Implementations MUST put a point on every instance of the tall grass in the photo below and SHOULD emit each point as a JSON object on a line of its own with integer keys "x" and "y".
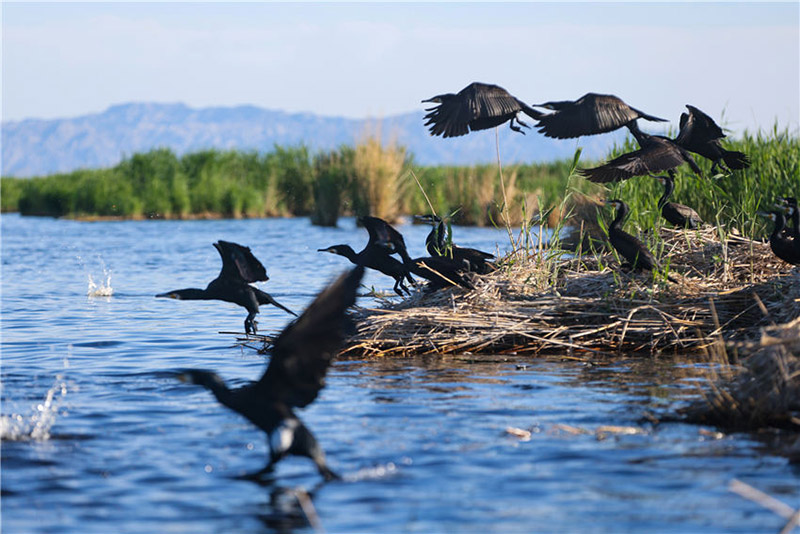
{"x": 379, "y": 179}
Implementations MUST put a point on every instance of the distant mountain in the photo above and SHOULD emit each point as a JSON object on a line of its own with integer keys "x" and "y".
{"x": 34, "y": 147}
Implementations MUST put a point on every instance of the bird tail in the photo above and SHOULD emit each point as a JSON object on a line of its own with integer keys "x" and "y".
{"x": 265, "y": 298}
{"x": 736, "y": 160}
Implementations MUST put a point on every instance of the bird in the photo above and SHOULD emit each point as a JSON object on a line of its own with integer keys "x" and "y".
{"x": 790, "y": 209}
{"x": 438, "y": 270}
{"x": 676, "y": 214}
{"x": 656, "y": 154}
{"x": 377, "y": 255}
{"x": 589, "y": 115}
{"x": 782, "y": 245}
{"x": 700, "y": 134}
{"x": 478, "y": 106}
{"x": 239, "y": 268}
{"x": 301, "y": 355}
{"x": 437, "y": 245}
{"x": 629, "y": 247}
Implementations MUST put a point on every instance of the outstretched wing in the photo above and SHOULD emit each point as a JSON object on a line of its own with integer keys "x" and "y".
{"x": 239, "y": 262}
{"x": 656, "y": 157}
{"x": 304, "y": 350}
{"x": 478, "y": 106}
{"x": 383, "y": 234}
{"x": 589, "y": 115}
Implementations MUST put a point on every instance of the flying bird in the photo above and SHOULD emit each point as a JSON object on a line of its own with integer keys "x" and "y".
{"x": 301, "y": 355}
{"x": 478, "y": 106}
{"x": 239, "y": 269}
{"x": 700, "y": 134}
{"x": 589, "y": 115}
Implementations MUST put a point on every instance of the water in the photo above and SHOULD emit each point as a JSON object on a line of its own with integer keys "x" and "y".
{"x": 99, "y": 437}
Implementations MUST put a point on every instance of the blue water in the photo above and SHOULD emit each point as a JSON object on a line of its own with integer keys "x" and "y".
{"x": 99, "y": 437}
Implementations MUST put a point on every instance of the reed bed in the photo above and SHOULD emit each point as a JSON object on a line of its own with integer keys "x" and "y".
{"x": 544, "y": 301}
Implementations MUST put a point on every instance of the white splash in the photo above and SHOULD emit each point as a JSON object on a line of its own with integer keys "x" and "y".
{"x": 104, "y": 289}
{"x": 35, "y": 427}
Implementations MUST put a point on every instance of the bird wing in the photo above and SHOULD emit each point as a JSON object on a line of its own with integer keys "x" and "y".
{"x": 383, "y": 234}
{"x": 591, "y": 114}
{"x": 239, "y": 262}
{"x": 485, "y": 100}
{"x": 705, "y": 125}
{"x": 656, "y": 157}
{"x": 304, "y": 350}
{"x": 478, "y": 106}
{"x": 450, "y": 118}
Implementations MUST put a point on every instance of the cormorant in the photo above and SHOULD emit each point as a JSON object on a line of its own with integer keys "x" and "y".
{"x": 239, "y": 268}
{"x": 294, "y": 377}
{"x": 700, "y": 134}
{"x": 377, "y": 254}
{"x": 478, "y": 106}
{"x": 590, "y": 114}
{"x": 790, "y": 209}
{"x": 629, "y": 247}
{"x": 676, "y": 214}
{"x": 657, "y": 154}
{"x": 436, "y": 245}
{"x": 782, "y": 245}
{"x": 438, "y": 270}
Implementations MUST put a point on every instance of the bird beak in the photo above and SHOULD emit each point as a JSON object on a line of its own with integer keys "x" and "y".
{"x": 166, "y": 296}
{"x": 325, "y": 249}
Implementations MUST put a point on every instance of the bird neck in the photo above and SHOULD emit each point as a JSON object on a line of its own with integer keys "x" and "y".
{"x": 436, "y": 242}
{"x": 641, "y": 137}
{"x": 348, "y": 252}
{"x": 192, "y": 293}
{"x": 622, "y": 212}
{"x": 780, "y": 224}
{"x": 669, "y": 187}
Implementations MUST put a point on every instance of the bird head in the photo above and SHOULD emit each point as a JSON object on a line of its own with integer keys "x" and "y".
{"x": 429, "y": 218}
{"x": 336, "y": 249}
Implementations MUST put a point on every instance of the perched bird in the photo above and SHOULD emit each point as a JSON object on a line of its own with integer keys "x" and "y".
{"x": 676, "y": 214}
{"x": 791, "y": 211}
{"x": 239, "y": 268}
{"x": 629, "y": 247}
{"x": 782, "y": 245}
{"x": 590, "y": 114}
{"x": 377, "y": 254}
{"x": 700, "y": 134}
{"x": 478, "y": 106}
{"x": 657, "y": 154}
{"x": 438, "y": 270}
{"x": 294, "y": 377}
{"x": 437, "y": 245}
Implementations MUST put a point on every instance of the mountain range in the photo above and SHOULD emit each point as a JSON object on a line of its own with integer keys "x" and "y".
{"x": 34, "y": 147}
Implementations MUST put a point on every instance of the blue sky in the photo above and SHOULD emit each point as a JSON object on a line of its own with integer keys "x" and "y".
{"x": 739, "y": 62}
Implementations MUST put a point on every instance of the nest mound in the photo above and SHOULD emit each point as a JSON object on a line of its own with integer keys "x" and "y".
{"x": 765, "y": 393}
{"x": 541, "y": 301}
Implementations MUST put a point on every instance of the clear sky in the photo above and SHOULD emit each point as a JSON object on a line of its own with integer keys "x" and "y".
{"x": 740, "y": 61}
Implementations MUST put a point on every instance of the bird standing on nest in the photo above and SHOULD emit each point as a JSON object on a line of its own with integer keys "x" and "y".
{"x": 239, "y": 269}
{"x": 674, "y": 213}
{"x": 781, "y": 244}
{"x": 437, "y": 245}
{"x": 478, "y": 106}
{"x": 634, "y": 252}
{"x": 377, "y": 254}
{"x": 294, "y": 377}
{"x": 589, "y": 115}
{"x": 700, "y": 134}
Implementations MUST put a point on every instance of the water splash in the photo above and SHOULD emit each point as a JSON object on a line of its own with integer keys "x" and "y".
{"x": 104, "y": 289}
{"x": 35, "y": 427}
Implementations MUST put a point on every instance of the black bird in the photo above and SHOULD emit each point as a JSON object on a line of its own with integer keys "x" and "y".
{"x": 377, "y": 254}
{"x": 438, "y": 270}
{"x": 590, "y": 114}
{"x": 478, "y": 106}
{"x": 239, "y": 268}
{"x": 437, "y": 245}
{"x": 782, "y": 245}
{"x": 700, "y": 134}
{"x": 657, "y": 154}
{"x": 629, "y": 247}
{"x": 676, "y": 214}
{"x": 294, "y": 377}
{"x": 790, "y": 209}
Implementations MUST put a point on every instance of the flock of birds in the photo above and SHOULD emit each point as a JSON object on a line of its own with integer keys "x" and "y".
{"x": 303, "y": 351}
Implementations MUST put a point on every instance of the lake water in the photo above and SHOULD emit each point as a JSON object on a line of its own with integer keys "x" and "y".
{"x": 99, "y": 437}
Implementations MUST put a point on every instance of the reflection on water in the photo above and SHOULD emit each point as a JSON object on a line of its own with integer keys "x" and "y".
{"x": 422, "y": 444}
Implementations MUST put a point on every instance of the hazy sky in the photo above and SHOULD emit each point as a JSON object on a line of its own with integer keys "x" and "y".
{"x": 359, "y": 60}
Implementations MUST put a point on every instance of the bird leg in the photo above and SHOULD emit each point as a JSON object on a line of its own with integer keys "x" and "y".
{"x": 719, "y": 163}
{"x": 250, "y": 323}
{"x": 517, "y": 128}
